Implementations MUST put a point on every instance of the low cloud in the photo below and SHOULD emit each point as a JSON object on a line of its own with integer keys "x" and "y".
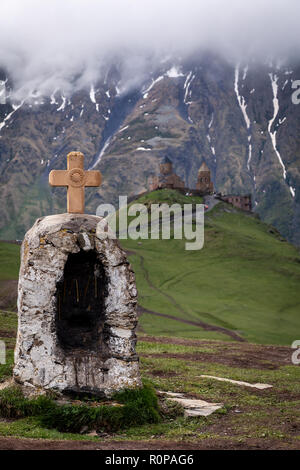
{"x": 67, "y": 44}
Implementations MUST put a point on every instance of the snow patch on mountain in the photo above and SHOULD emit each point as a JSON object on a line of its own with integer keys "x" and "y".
{"x": 92, "y": 94}
{"x": 274, "y": 80}
{"x": 274, "y": 83}
{"x": 146, "y": 92}
{"x": 63, "y": 104}
{"x": 2, "y": 92}
{"x": 52, "y": 97}
{"x": 243, "y": 106}
{"x": 93, "y": 97}
{"x": 240, "y": 98}
{"x": 106, "y": 144}
{"x": 187, "y": 84}
{"x": 8, "y": 117}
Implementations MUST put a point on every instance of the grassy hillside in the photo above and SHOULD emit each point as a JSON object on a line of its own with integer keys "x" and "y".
{"x": 9, "y": 261}
{"x": 244, "y": 283}
{"x": 245, "y": 279}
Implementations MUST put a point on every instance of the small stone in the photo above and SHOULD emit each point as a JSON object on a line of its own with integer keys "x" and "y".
{"x": 238, "y": 382}
{"x": 92, "y": 434}
{"x": 84, "y": 241}
{"x": 193, "y": 407}
{"x": 84, "y": 429}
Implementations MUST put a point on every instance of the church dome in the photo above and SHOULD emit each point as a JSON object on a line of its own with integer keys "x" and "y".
{"x": 165, "y": 160}
{"x": 203, "y": 167}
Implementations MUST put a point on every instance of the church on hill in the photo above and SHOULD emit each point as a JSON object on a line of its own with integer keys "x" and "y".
{"x": 204, "y": 182}
{"x": 167, "y": 178}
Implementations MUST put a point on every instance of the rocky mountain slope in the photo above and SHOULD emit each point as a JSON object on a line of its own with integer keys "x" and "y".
{"x": 239, "y": 118}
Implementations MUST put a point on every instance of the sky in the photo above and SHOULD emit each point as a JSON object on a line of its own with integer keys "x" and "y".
{"x": 67, "y": 44}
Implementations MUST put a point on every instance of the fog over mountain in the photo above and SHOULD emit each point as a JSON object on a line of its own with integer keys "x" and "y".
{"x": 69, "y": 44}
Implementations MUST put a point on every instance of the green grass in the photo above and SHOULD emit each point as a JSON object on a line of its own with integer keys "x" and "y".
{"x": 8, "y": 321}
{"x": 28, "y": 210}
{"x": 157, "y": 326}
{"x": 31, "y": 428}
{"x": 169, "y": 196}
{"x": 245, "y": 279}
{"x": 258, "y": 411}
{"x": 9, "y": 261}
{"x": 136, "y": 407}
{"x": 271, "y": 414}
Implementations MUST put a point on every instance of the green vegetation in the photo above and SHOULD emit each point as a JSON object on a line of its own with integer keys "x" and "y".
{"x": 136, "y": 407}
{"x": 245, "y": 279}
{"x": 29, "y": 210}
{"x": 9, "y": 261}
{"x": 270, "y": 415}
{"x": 168, "y": 196}
{"x": 9, "y": 270}
{"x": 8, "y": 332}
{"x": 248, "y": 413}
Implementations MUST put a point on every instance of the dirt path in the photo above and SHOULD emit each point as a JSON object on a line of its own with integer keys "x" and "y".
{"x": 241, "y": 355}
{"x": 211, "y": 202}
{"x": 198, "y": 323}
{"x": 12, "y": 443}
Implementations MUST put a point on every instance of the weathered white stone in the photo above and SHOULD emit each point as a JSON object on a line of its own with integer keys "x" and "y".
{"x": 40, "y": 360}
{"x": 238, "y": 382}
{"x": 121, "y": 332}
{"x": 193, "y": 407}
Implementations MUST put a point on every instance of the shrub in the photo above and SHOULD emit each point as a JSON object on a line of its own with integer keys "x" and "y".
{"x": 137, "y": 407}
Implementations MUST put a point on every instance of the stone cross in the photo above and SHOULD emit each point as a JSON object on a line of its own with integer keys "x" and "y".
{"x": 75, "y": 178}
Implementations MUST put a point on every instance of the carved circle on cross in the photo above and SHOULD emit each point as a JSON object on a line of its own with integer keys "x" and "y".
{"x": 77, "y": 177}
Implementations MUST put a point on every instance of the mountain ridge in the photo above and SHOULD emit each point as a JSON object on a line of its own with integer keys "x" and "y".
{"x": 207, "y": 109}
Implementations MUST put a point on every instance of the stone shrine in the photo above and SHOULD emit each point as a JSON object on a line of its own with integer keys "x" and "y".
{"x": 76, "y": 301}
